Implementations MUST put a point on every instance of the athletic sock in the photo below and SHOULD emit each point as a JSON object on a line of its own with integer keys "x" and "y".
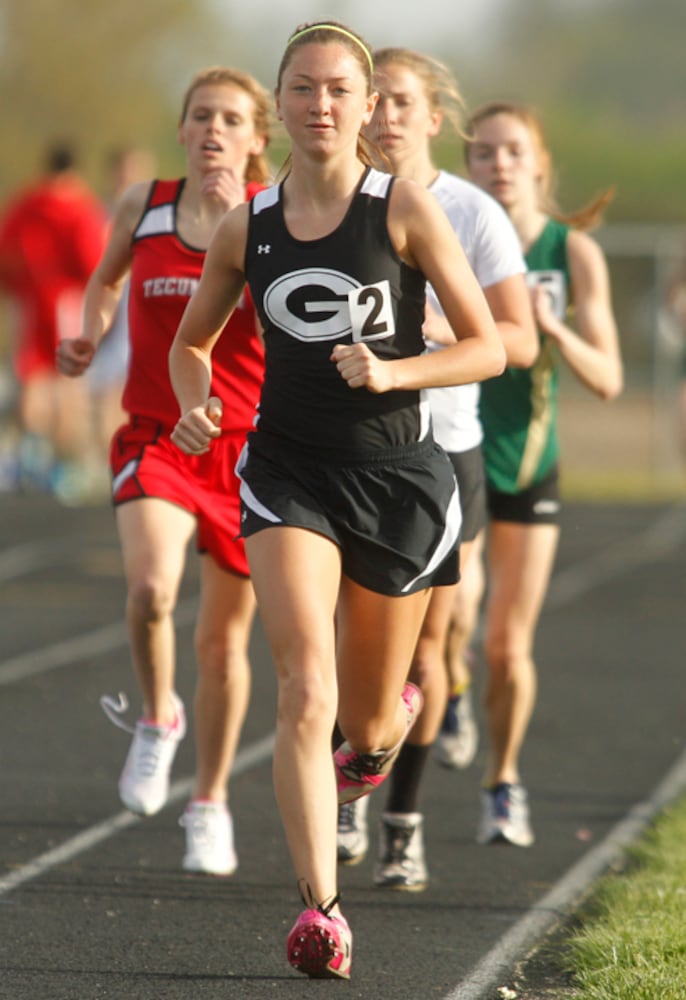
{"x": 406, "y": 777}
{"x": 337, "y": 738}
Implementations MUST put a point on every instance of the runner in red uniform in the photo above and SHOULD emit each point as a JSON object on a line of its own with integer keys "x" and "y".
{"x": 159, "y": 237}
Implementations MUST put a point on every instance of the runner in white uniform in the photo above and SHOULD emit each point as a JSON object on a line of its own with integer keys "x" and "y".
{"x": 415, "y": 94}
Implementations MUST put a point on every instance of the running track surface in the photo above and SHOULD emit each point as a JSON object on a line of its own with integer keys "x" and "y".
{"x": 93, "y": 902}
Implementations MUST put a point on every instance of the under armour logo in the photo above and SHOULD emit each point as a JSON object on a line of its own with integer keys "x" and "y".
{"x": 264, "y": 248}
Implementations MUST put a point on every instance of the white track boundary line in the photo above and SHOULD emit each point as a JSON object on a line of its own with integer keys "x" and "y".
{"x": 252, "y": 756}
{"x": 659, "y": 538}
{"x": 568, "y": 892}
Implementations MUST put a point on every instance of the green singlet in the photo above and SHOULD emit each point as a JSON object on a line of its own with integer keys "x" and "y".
{"x": 519, "y": 408}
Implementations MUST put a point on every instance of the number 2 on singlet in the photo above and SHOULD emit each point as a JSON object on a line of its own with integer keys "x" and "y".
{"x": 371, "y": 312}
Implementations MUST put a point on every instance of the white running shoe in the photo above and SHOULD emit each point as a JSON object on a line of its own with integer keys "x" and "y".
{"x": 209, "y": 839}
{"x": 144, "y": 781}
{"x": 505, "y": 816}
{"x": 458, "y": 740}
{"x": 353, "y": 838}
{"x": 401, "y": 863}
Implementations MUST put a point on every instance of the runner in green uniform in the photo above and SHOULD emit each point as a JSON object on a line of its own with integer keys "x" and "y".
{"x": 507, "y": 156}
{"x": 519, "y": 409}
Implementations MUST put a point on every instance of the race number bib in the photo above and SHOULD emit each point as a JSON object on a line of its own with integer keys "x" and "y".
{"x": 371, "y": 312}
{"x": 555, "y": 286}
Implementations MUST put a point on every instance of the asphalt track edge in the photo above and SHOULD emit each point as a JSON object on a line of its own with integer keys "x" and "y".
{"x": 561, "y": 901}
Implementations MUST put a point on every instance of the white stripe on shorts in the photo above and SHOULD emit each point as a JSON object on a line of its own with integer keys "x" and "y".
{"x": 247, "y": 495}
{"x": 451, "y": 533}
{"x": 129, "y": 470}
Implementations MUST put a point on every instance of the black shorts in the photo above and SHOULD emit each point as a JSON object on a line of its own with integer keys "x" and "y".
{"x": 469, "y": 470}
{"x": 395, "y": 516}
{"x": 539, "y": 504}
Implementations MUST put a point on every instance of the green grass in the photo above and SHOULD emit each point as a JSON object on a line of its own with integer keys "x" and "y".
{"x": 631, "y": 944}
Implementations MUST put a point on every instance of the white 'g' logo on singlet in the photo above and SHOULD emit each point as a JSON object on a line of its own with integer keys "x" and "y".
{"x": 322, "y": 304}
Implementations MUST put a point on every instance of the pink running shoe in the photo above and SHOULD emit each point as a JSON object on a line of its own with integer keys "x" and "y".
{"x": 358, "y": 774}
{"x": 320, "y": 945}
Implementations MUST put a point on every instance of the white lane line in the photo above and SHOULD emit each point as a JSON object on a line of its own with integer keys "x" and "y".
{"x": 74, "y": 650}
{"x": 658, "y": 538}
{"x": 23, "y": 559}
{"x": 252, "y": 756}
{"x": 567, "y": 893}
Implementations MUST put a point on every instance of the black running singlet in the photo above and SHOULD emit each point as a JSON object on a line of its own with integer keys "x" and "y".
{"x": 311, "y": 295}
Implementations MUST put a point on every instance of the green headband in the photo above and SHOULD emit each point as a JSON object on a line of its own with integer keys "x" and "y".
{"x": 341, "y": 31}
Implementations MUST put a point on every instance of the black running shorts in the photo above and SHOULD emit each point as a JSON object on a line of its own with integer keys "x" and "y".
{"x": 395, "y": 516}
{"x": 469, "y": 470}
{"x": 539, "y": 504}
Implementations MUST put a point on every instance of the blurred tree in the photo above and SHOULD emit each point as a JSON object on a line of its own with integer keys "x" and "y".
{"x": 616, "y": 57}
{"x": 608, "y": 78}
{"x": 94, "y": 73}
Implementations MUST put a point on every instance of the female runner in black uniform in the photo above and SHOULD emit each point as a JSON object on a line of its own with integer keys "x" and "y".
{"x": 350, "y": 511}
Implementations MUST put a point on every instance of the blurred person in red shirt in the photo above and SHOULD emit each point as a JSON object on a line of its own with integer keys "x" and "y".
{"x": 52, "y": 234}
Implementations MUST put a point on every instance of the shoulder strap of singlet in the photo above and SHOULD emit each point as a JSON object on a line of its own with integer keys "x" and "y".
{"x": 252, "y": 188}
{"x": 158, "y": 218}
{"x": 265, "y": 199}
{"x": 164, "y": 192}
{"x": 376, "y": 183}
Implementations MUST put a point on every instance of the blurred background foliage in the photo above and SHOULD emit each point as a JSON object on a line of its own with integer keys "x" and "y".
{"x": 608, "y": 77}
{"x": 610, "y": 80}
{"x": 91, "y": 73}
